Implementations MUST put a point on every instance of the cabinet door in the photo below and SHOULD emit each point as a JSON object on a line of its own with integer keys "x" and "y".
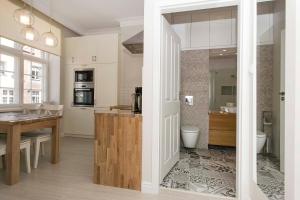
{"x": 264, "y": 24}
{"x": 220, "y": 27}
{"x": 70, "y": 50}
{"x": 79, "y": 121}
{"x": 106, "y": 86}
{"x": 181, "y": 23}
{"x": 105, "y": 48}
{"x": 200, "y": 30}
{"x": 234, "y": 26}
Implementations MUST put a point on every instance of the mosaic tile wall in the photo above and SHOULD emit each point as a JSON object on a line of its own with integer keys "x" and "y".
{"x": 195, "y": 82}
{"x": 264, "y": 81}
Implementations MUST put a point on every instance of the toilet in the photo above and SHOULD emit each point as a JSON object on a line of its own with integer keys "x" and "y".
{"x": 261, "y": 138}
{"x": 189, "y": 135}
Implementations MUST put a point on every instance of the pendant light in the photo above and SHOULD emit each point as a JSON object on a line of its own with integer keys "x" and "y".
{"x": 49, "y": 37}
{"x": 24, "y": 16}
{"x": 28, "y": 32}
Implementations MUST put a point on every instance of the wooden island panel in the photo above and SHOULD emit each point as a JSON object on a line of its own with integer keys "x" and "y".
{"x": 118, "y": 151}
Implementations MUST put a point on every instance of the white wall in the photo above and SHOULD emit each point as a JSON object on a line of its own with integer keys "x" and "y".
{"x": 54, "y": 79}
{"x": 130, "y": 66}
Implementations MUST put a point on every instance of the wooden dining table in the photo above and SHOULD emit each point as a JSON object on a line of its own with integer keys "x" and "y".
{"x": 15, "y": 124}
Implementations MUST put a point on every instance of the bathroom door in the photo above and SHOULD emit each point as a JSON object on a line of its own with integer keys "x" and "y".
{"x": 282, "y": 100}
{"x": 170, "y": 102}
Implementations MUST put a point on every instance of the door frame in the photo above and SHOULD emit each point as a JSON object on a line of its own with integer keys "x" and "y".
{"x": 246, "y": 158}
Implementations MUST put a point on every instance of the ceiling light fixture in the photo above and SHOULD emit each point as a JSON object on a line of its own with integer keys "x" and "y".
{"x": 49, "y": 37}
{"x": 24, "y": 16}
{"x": 224, "y": 50}
{"x": 220, "y": 54}
{"x": 29, "y": 33}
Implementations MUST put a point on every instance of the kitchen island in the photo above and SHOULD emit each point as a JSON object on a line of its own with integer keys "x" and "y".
{"x": 118, "y": 149}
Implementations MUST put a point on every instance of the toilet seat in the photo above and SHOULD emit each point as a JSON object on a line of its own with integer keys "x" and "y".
{"x": 260, "y": 134}
{"x": 190, "y": 129}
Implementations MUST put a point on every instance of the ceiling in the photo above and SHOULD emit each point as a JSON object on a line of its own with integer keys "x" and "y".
{"x": 86, "y": 16}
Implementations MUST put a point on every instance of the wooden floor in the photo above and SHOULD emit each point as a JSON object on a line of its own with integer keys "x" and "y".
{"x": 71, "y": 179}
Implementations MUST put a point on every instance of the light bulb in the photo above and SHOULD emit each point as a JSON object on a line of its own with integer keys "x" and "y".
{"x": 29, "y": 36}
{"x": 24, "y": 17}
{"x": 50, "y": 39}
{"x": 29, "y": 33}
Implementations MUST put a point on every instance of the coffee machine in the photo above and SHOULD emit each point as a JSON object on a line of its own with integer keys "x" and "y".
{"x": 137, "y": 100}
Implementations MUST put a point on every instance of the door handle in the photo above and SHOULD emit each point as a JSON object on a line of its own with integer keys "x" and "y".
{"x": 281, "y": 93}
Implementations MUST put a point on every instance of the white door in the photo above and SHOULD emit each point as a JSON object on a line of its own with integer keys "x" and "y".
{"x": 282, "y": 100}
{"x": 170, "y": 102}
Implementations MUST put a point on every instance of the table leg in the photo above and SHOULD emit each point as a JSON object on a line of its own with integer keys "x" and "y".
{"x": 55, "y": 143}
{"x": 13, "y": 154}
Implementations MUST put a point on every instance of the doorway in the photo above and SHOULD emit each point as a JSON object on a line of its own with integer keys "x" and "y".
{"x": 198, "y": 101}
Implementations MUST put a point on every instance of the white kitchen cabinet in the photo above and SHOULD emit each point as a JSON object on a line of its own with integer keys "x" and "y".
{"x": 92, "y": 49}
{"x": 200, "y": 30}
{"x": 181, "y": 23}
{"x": 79, "y": 122}
{"x": 106, "y": 85}
{"x": 264, "y": 24}
{"x": 234, "y": 26}
{"x": 220, "y": 28}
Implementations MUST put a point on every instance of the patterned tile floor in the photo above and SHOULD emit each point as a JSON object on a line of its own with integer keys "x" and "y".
{"x": 207, "y": 171}
{"x": 269, "y": 177}
{"x": 213, "y": 171}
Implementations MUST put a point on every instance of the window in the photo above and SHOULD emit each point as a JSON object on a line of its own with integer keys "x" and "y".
{"x": 21, "y": 62}
{"x": 8, "y": 82}
{"x": 36, "y": 97}
{"x": 7, "y": 96}
{"x": 33, "y": 82}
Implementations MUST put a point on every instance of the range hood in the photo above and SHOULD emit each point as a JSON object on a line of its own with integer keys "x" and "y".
{"x": 135, "y": 44}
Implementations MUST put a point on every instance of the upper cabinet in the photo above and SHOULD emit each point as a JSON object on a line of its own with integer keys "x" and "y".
{"x": 200, "y": 30}
{"x": 265, "y": 23}
{"x": 217, "y": 28}
{"x": 220, "y": 28}
{"x": 181, "y": 25}
{"x": 92, "y": 49}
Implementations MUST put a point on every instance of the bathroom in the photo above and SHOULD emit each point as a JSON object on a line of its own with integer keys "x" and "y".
{"x": 208, "y": 99}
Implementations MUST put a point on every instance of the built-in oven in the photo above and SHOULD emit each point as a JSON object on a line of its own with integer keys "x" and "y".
{"x": 84, "y": 75}
{"x": 83, "y": 94}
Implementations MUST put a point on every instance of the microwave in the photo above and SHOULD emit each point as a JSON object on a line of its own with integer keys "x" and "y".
{"x": 83, "y": 75}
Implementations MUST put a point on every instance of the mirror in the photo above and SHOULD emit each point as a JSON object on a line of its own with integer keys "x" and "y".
{"x": 222, "y": 80}
{"x": 270, "y": 98}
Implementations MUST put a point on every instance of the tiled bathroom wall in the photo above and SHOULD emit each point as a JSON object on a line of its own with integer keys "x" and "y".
{"x": 264, "y": 82}
{"x": 195, "y": 82}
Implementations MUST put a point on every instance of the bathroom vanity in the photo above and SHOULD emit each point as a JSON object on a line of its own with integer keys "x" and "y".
{"x": 222, "y": 129}
{"x": 118, "y": 157}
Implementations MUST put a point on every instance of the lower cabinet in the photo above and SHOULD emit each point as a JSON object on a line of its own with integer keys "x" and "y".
{"x": 118, "y": 150}
{"x": 79, "y": 122}
{"x": 222, "y": 129}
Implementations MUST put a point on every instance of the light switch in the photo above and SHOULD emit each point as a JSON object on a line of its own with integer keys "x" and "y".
{"x": 188, "y": 100}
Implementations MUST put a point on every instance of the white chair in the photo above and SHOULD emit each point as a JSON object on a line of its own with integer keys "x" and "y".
{"x": 39, "y": 137}
{"x": 24, "y": 145}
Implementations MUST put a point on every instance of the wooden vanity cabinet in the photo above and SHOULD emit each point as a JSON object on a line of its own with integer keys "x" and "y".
{"x": 222, "y": 129}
